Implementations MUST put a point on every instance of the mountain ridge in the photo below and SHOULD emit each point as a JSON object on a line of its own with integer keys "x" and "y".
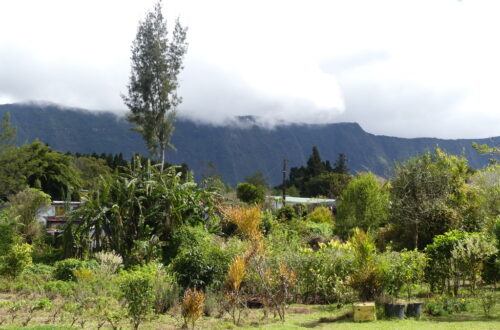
{"x": 236, "y": 150}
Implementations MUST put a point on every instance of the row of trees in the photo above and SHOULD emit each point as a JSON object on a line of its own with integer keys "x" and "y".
{"x": 318, "y": 177}
{"x": 429, "y": 195}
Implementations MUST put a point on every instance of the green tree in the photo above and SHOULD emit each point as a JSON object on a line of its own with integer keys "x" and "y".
{"x": 364, "y": 204}
{"x": 487, "y": 183}
{"x": 257, "y": 179}
{"x": 326, "y": 184}
{"x": 24, "y": 207}
{"x": 248, "y": 193}
{"x": 485, "y": 149}
{"x": 152, "y": 91}
{"x": 37, "y": 166}
{"x": 314, "y": 164}
{"x": 91, "y": 169}
{"x": 8, "y": 133}
{"x": 427, "y": 197}
{"x": 8, "y": 233}
{"x": 341, "y": 165}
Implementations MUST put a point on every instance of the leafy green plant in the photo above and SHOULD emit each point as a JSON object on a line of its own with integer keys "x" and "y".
{"x": 444, "y": 305}
{"x": 52, "y": 289}
{"x": 137, "y": 290}
{"x": 17, "y": 259}
{"x": 440, "y": 270}
{"x": 488, "y": 301}
{"x": 402, "y": 270}
{"x": 134, "y": 212}
{"x": 469, "y": 254}
{"x": 248, "y": 193}
{"x": 321, "y": 273}
{"x": 64, "y": 269}
{"x": 367, "y": 277}
{"x": 320, "y": 214}
{"x": 285, "y": 213}
{"x": 200, "y": 265}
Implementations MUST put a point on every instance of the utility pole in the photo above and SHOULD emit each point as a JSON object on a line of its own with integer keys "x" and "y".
{"x": 284, "y": 181}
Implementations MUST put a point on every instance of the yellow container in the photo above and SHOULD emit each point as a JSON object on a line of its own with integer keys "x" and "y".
{"x": 364, "y": 311}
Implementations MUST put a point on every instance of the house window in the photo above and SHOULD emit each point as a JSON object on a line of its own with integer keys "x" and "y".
{"x": 60, "y": 211}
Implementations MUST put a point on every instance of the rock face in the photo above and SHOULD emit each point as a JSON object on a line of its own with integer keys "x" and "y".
{"x": 237, "y": 150}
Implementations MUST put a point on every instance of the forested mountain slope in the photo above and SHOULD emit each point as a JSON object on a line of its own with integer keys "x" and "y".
{"x": 237, "y": 150}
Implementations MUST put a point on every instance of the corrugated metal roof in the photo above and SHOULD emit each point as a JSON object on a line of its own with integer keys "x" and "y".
{"x": 303, "y": 200}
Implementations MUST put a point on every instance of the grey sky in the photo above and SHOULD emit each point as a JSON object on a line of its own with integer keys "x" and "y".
{"x": 403, "y": 68}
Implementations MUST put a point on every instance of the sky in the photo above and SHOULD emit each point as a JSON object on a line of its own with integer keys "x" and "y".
{"x": 401, "y": 68}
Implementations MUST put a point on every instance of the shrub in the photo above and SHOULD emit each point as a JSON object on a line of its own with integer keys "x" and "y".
{"x": 184, "y": 236}
{"x": 248, "y": 193}
{"x": 286, "y": 213}
{"x": 109, "y": 262}
{"x": 59, "y": 288}
{"x": 8, "y": 233}
{"x": 444, "y": 305}
{"x": 320, "y": 214}
{"x": 321, "y": 274}
{"x": 192, "y": 306}
{"x": 402, "y": 269}
{"x": 39, "y": 269}
{"x": 17, "y": 259}
{"x": 469, "y": 254}
{"x": 200, "y": 265}
{"x": 488, "y": 301}
{"x": 137, "y": 290}
{"x": 64, "y": 269}
{"x": 83, "y": 275}
{"x": 367, "y": 277}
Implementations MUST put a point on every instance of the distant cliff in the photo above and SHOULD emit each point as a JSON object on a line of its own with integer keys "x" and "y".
{"x": 238, "y": 150}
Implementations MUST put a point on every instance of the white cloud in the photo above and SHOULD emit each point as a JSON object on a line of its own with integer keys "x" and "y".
{"x": 406, "y": 68}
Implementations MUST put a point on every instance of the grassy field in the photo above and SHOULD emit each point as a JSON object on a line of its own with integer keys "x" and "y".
{"x": 303, "y": 317}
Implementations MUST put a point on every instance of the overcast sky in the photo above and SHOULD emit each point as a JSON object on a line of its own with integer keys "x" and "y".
{"x": 401, "y": 68}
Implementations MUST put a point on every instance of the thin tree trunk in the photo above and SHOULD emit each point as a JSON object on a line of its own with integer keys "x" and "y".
{"x": 416, "y": 235}
{"x": 162, "y": 159}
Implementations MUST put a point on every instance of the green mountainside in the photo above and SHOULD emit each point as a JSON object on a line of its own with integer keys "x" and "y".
{"x": 237, "y": 151}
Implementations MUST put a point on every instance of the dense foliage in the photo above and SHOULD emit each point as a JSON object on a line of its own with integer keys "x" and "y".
{"x": 135, "y": 212}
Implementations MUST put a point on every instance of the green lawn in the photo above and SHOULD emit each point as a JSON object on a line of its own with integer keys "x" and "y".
{"x": 311, "y": 317}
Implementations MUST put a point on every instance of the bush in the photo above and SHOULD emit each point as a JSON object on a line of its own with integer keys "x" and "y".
{"x": 488, "y": 301}
{"x": 248, "y": 193}
{"x": 64, "y": 269}
{"x": 184, "y": 236}
{"x": 285, "y": 213}
{"x": 137, "y": 290}
{"x": 321, "y": 274}
{"x": 320, "y": 214}
{"x": 53, "y": 289}
{"x": 444, "y": 305}
{"x": 201, "y": 264}
{"x": 8, "y": 233}
{"x": 39, "y": 269}
{"x": 17, "y": 259}
{"x": 308, "y": 229}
